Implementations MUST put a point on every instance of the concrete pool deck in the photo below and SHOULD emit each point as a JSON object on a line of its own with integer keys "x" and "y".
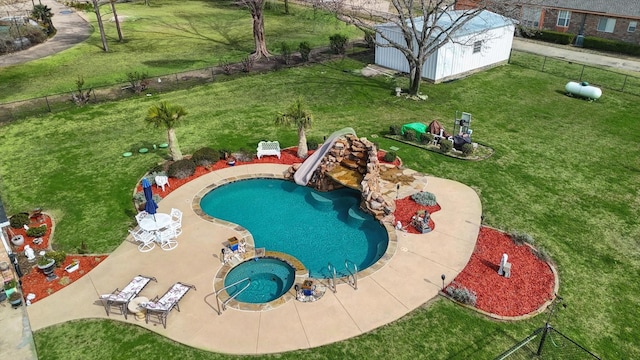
{"x": 409, "y": 279}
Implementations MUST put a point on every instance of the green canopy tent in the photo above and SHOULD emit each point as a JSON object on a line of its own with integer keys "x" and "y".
{"x": 419, "y": 128}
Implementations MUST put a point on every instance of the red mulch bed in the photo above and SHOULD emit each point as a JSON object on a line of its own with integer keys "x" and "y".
{"x": 531, "y": 283}
{"x": 33, "y": 280}
{"x": 406, "y": 208}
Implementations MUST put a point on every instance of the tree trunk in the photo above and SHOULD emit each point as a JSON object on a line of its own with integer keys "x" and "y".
{"x": 115, "y": 16}
{"x": 302, "y": 143}
{"x": 286, "y": 7}
{"x": 96, "y": 8}
{"x": 174, "y": 148}
{"x": 415, "y": 77}
{"x": 257, "y": 7}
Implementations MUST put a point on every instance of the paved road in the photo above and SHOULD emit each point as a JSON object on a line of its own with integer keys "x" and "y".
{"x": 582, "y": 56}
{"x": 72, "y": 30}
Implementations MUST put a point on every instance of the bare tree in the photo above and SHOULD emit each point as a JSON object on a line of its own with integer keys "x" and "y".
{"x": 96, "y": 8}
{"x": 115, "y": 17}
{"x": 425, "y": 26}
{"x": 256, "y": 7}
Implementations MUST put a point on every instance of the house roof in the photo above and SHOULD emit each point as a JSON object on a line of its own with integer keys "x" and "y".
{"x": 621, "y": 8}
{"x": 483, "y": 21}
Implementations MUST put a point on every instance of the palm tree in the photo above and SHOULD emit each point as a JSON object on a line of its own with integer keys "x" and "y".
{"x": 43, "y": 14}
{"x": 297, "y": 115}
{"x": 167, "y": 116}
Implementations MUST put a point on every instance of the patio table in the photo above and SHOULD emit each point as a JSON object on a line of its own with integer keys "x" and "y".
{"x": 152, "y": 224}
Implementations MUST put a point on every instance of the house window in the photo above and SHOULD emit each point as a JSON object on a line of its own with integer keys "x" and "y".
{"x": 531, "y": 17}
{"x": 632, "y": 26}
{"x": 563, "y": 18}
{"x": 606, "y": 24}
{"x": 477, "y": 46}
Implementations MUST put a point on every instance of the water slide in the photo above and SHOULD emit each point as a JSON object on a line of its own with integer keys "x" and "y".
{"x": 305, "y": 171}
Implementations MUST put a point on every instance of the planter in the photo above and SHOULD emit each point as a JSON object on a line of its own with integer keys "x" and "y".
{"x": 3, "y": 296}
{"x": 47, "y": 269}
{"x": 72, "y": 267}
{"x": 15, "y": 299}
{"x": 17, "y": 240}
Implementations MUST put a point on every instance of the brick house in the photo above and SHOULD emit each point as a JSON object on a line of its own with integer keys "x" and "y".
{"x": 608, "y": 19}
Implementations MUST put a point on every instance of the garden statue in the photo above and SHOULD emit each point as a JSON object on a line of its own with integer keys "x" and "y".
{"x": 503, "y": 262}
{"x": 29, "y": 253}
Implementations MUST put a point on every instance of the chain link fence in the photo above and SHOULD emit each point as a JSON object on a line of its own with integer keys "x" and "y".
{"x": 596, "y": 76}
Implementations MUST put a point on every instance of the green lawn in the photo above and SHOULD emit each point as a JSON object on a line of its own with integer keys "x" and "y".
{"x": 564, "y": 170}
{"x": 169, "y": 36}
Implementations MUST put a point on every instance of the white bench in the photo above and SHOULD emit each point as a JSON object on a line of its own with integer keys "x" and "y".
{"x": 268, "y": 148}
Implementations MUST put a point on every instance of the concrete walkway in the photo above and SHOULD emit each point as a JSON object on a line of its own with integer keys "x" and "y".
{"x": 409, "y": 279}
{"x": 72, "y": 29}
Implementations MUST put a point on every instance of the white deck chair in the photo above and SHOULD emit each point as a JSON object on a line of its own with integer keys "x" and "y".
{"x": 167, "y": 238}
{"x": 141, "y": 215}
{"x": 145, "y": 238}
{"x": 176, "y": 221}
{"x": 162, "y": 181}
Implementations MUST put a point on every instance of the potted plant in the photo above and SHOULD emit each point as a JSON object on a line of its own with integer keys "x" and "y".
{"x": 15, "y": 299}
{"x": 17, "y": 240}
{"x": 231, "y": 160}
{"x": 10, "y": 286}
{"x": 47, "y": 265}
{"x": 75, "y": 264}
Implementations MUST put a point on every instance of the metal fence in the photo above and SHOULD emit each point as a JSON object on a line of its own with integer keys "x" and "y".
{"x": 570, "y": 70}
{"x": 547, "y": 343}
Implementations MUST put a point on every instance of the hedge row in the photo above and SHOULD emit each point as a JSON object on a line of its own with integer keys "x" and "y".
{"x": 621, "y": 47}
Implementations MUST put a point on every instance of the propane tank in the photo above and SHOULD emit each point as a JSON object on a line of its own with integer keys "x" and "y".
{"x": 583, "y": 89}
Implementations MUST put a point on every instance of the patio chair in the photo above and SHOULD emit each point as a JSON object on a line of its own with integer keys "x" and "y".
{"x": 167, "y": 238}
{"x": 141, "y": 215}
{"x": 120, "y": 298}
{"x": 161, "y": 307}
{"x": 162, "y": 181}
{"x": 176, "y": 221}
{"x": 145, "y": 238}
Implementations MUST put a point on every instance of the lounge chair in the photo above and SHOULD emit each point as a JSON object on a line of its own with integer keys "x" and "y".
{"x": 121, "y": 298}
{"x": 161, "y": 307}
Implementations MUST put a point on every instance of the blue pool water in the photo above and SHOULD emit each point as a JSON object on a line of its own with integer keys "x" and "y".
{"x": 270, "y": 279}
{"x": 316, "y": 228}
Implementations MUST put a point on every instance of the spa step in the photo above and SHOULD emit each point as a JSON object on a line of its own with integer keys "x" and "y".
{"x": 318, "y": 201}
{"x": 355, "y": 219}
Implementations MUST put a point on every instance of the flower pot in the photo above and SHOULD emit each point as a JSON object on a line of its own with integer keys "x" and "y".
{"x": 47, "y": 269}
{"x": 16, "y": 299}
{"x": 72, "y": 267}
{"x": 17, "y": 240}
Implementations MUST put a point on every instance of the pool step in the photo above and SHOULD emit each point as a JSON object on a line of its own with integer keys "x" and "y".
{"x": 355, "y": 219}
{"x": 319, "y": 201}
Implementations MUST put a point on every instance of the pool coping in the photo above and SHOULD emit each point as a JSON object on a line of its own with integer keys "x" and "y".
{"x": 248, "y": 237}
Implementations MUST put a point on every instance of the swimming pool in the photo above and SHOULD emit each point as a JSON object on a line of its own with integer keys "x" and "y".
{"x": 316, "y": 228}
{"x": 260, "y": 280}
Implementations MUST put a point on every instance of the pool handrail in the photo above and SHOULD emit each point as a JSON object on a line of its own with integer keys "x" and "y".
{"x": 224, "y": 303}
{"x": 352, "y": 278}
{"x": 332, "y": 281}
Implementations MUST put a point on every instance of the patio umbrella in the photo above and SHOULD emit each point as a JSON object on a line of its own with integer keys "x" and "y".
{"x": 150, "y": 207}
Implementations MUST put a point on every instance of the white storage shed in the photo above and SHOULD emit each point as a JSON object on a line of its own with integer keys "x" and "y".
{"x": 483, "y": 42}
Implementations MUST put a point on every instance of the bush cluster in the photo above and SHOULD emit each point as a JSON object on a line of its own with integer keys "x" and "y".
{"x": 542, "y": 254}
{"x": 622, "y": 47}
{"x": 182, "y": 169}
{"x": 205, "y": 156}
{"x": 390, "y": 156}
{"x": 463, "y": 295}
{"x": 338, "y": 43}
{"x": 410, "y": 135}
{"x": 426, "y": 138}
{"x": 467, "y": 149}
{"x": 555, "y": 37}
{"x": 37, "y": 231}
{"x": 521, "y": 238}
{"x": 286, "y": 52}
{"x": 19, "y": 220}
{"x": 445, "y": 146}
{"x": 305, "y": 50}
{"x": 395, "y": 130}
{"x": 312, "y": 144}
{"x": 424, "y": 198}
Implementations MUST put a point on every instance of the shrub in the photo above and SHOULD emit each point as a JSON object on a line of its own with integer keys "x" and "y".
{"x": 81, "y": 97}
{"x": 139, "y": 81}
{"x": 555, "y": 37}
{"x": 426, "y": 138}
{"x": 37, "y": 231}
{"x": 445, "y": 146}
{"x": 591, "y": 42}
{"x": 338, "y": 43}
{"x": 463, "y": 295}
{"x": 285, "y": 52}
{"x": 57, "y": 256}
{"x": 542, "y": 254}
{"x": 410, "y": 135}
{"x": 370, "y": 38}
{"x": 390, "y": 156}
{"x": 305, "y": 50}
{"x": 521, "y": 238}
{"x": 138, "y": 198}
{"x": 467, "y": 149}
{"x": 244, "y": 155}
{"x": 247, "y": 64}
{"x": 205, "y": 156}
{"x": 182, "y": 169}
{"x": 226, "y": 66}
{"x": 35, "y": 34}
{"x": 395, "y": 130}
{"x": 19, "y": 220}
{"x": 424, "y": 198}
{"x": 312, "y": 144}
